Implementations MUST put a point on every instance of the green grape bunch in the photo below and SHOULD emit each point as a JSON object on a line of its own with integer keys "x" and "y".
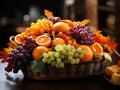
{"x": 63, "y": 54}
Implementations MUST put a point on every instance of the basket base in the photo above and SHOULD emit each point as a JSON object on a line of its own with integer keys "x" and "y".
{"x": 84, "y": 69}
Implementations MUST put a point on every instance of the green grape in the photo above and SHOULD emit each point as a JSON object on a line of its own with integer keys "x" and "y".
{"x": 77, "y": 61}
{"x": 50, "y": 54}
{"x": 72, "y": 61}
{"x": 49, "y": 60}
{"x": 58, "y": 60}
{"x": 57, "y": 65}
{"x": 79, "y": 50}
{"x": 65, "y": 47}
{"x": 71, "y": 53}
{"x": 76, "y": 54}
{"x": 61, "y": 65}
{"x": 62, "y": 56}
{"x": 44, "y": 60}
{"x": 58, "y": 47}
{"x": 45, "y": 55}
{"x": 81, "y": 56}
{"x": 82, "y": 52}
{"x": 52, "y": 58}
{"x": 53, "y": 63}
{"x": 64, "y": 52}
{"x": 72, "y": 49}
{"x": 70, "y": 58}
{"x": 57, "y": 55}
{"x": 68, "y": 47}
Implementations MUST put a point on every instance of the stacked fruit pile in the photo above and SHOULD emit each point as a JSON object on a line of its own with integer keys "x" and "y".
{"x": 57, "y": 42}
{"x": 113, "y": 73}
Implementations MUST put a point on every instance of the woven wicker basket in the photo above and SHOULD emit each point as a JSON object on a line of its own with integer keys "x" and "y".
{"x": 84, "y": 69}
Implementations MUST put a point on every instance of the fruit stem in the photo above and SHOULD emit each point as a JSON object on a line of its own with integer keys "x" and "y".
{"x": 117, "y": 53}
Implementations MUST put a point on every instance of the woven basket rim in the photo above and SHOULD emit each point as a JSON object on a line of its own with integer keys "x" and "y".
{"x": 83, "y": 69}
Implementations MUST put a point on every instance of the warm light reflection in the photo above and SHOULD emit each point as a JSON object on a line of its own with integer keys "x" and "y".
{"x": 20, "y": 29}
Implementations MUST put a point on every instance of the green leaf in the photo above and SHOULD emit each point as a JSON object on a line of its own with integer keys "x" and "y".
{"x": 37, "y": 66}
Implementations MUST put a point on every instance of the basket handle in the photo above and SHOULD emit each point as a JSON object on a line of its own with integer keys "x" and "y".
{"x": 12, "y": 41}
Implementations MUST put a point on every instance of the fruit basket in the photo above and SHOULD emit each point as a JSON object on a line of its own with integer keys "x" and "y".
{"x": 56, "y": 49}
{"x": 82, "y": 70}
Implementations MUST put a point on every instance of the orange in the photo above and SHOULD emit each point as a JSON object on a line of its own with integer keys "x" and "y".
{"x": 43, "y": 40}
{"x": 19, "y": 39}
{"x": 97, "y": 48}
{"x": 69, "y": 22}
{"x": 56, "y": 41}
{"x": 38, "y": 51}
{"x": 88, "y": 53}
{"x": 62, "y": 27}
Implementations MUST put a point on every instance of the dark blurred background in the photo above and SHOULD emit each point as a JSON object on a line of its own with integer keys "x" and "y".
{"x": 20, "y": 13}
{"x": 16, "y": 15}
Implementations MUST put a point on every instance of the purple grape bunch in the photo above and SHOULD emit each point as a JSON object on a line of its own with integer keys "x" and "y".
{"x": 82, "y": 34}
{"x": 22, "y": 55}
{"x": 55, "y": 19}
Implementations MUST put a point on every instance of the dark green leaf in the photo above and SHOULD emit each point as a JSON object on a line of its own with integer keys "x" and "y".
{"x": 37, "y": 66}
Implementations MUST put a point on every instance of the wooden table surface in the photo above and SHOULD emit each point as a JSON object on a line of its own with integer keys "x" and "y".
{"x": 11, "y": 81}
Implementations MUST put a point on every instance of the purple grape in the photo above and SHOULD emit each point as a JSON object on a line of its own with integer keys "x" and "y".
{"x": 21, "y": 56}
{"x": 82, "y": 34}
{"x": 55, "y": 19}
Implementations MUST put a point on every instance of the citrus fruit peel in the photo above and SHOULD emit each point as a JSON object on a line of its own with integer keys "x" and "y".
{"x": 18, "y": 39}
{"x": 43, "y": 40}
{"x": 97, "y": 48}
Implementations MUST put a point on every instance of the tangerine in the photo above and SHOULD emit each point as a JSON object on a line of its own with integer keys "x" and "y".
{"x": 43, "y": 40}
{"x": 69, "y": 22}
{"x": 88, "y": 53}
{"x": 56, "y": 41}
{"x": 38, "y": 51}
{"x": 97, "y": 48}
{"x": 62, "y": 27}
